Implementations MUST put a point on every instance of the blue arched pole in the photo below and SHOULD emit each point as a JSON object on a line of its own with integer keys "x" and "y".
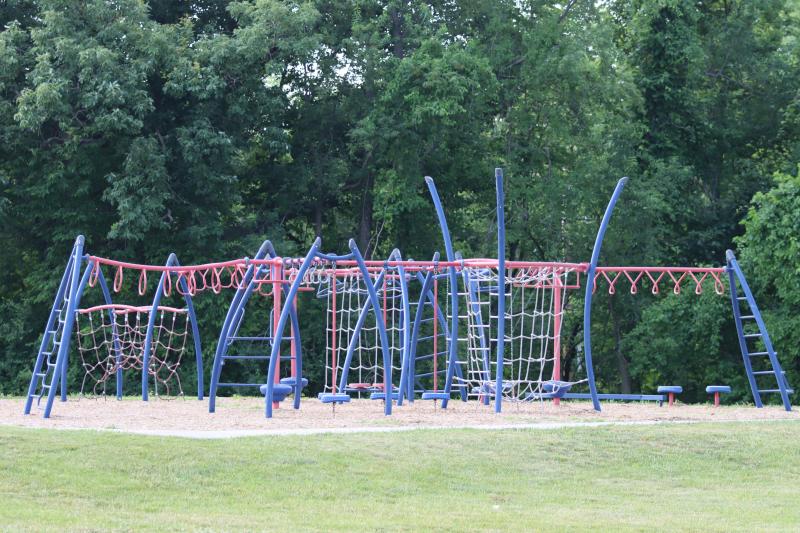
{"x": 172, "y": 261}
{"x": 151, "y": 322}
{"x": 587, "y": 303}
{"x": 198, "y": 351}
{"x": 87, "y": 274}
{"x": 233, "y": 317}
{"x": 448, "y": 245}
{"x": 284, "y": 316}
{"x": 501, "y": 288}
{"x": 387, "y": 361}
{"x": 354, "y": 339}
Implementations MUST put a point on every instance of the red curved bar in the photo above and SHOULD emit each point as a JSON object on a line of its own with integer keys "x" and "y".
{"x": 121, "y": 308}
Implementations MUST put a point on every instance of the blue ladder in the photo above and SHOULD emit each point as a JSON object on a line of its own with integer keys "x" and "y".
{"x": 51, "y": 359}
{"x": 754, "y": 354}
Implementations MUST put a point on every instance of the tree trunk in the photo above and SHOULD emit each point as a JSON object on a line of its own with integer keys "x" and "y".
{"x": 622, "y": 363}
{"x": 365, "y": 222}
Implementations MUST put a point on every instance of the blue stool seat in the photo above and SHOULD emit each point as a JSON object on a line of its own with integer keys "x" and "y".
{"x": 718, "y": 388}
{"x": 435, "y": 396}
{"x": 555, "y": 388}
{"x": 382, "y": 396}
{"x": 291, "y": 382}
{"x": 674, "y": 389}
{"x": 328, "y": 397}
{"x": 279, "y": 391}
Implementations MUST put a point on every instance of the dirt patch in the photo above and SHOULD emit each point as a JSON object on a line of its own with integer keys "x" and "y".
{"x": 237, "y": 415}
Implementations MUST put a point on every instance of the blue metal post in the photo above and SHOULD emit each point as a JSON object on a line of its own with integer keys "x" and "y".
{"x": 587, "y": 304}
{"x": 63, "y": 290}
{"x": 232, "y": 318}
{"x": 427, "y": 282}
{"x": 387, "y": 361}
{"x": 198, "y": 351}
{"x": 501, "y": 288}
{"x": 354, "y": 339}
{"x": 69, "y": 321}
{"x": 452, "y": 360}
{"x": 284, "y": 316}
{"x": 151, "y": 322}
{"x": 87, "y": 272}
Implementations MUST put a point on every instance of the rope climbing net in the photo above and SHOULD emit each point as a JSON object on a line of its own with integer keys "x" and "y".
{"x": 534, "y": 307}
{"x": 346, "y": 296}
{"x": 111, "y": 339}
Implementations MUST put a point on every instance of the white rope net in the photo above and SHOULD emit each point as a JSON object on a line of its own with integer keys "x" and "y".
{"x": 111, "y": 341}
{"x": 534, "y": 299}
{"x": 346, "y": 296}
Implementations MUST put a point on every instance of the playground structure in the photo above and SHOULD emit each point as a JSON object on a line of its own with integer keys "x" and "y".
{"x": 399, "y": 330}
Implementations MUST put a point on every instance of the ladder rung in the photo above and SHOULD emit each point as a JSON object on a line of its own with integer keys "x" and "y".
{"x": 752, "y": 335}
{"x": 747, "y": 317}
{"x": 788, "y": 391}
{"x": 741, "y": 297}
{"x": 259, "y": 357}
{"x": 754, "y": 354}
{"x": 766, "y": 372}
{"x": 429, "y": 374}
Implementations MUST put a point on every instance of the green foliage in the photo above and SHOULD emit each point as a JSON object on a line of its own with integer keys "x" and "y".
{"x": 769, "y": 249}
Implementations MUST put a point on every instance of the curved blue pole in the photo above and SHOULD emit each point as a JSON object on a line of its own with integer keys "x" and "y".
{"x": 405, "y": 340}
{"x": 387, "y": 361}
{"x": 448, "y": 245}
{"x": 438, "y": 316}
{"x": 426, "y": 282}
{"x": 87, "y": 272}
{"x": 354, "y": 339}
{"x": 240, "y": 298}
{"x": 151, "y": 322}
{"x": 198, "y": 352}
{"x": 284, "y": 316}
{"x": 587, "y": 303}
{"x": 501, "y": 288}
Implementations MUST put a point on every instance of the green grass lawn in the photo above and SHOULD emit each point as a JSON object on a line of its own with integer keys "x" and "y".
{"x": 720, "y": 477}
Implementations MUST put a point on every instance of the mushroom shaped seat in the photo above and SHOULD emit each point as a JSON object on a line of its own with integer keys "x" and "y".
{"x": 279, "y": 391}
{"x": 716, "y": 390}
{"x": 671, "y": 391}
{"x": 292, "y": 381}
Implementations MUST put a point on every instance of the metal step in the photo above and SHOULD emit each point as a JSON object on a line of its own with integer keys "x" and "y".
{"x": 257, "y": 357}
{"x": 767, "y": 372}
{"x": 788, "y": 391}
{"x": 753, "y": 335}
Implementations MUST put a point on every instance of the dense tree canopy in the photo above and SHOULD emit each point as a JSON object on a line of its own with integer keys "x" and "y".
{"x": 205, "y": 127}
